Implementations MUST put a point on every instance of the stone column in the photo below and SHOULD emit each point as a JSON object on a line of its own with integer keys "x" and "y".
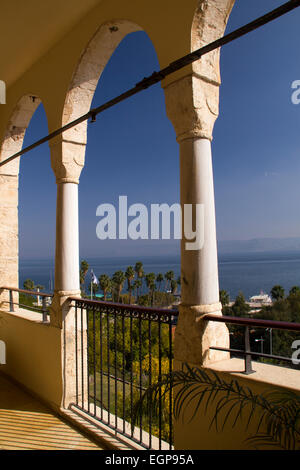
{"x": 67, "y": 160}
{"x": 192, "y": 106}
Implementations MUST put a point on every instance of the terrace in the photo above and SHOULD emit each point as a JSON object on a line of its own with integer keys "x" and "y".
{"x": 85, "y": 364}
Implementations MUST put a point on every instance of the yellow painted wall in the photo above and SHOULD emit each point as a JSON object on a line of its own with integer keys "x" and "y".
{"x": 196, "y": 434}
{"x": 33, "y": 354}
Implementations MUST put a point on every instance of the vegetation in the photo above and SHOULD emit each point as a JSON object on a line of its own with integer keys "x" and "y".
{"x": 29, "y": 284}
{"x": 84, "y": 267}
{"x": 282, "y": 309}
{"x": 277, "y": 293}
{"x": 129, "y": 362}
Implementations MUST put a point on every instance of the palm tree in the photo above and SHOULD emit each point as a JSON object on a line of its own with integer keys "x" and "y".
{"x": 105, "y": 285}
{"x": 169, "y": 276}
{"x": 277, "y": 292}
{"x": 294, "y": 291}
{"x": 137, "y": 285}
{"x": 139, "y": 272}
{"x": 159, "y": 280}
{"x": 278, "y": 424}
{"x": 118, "y": 280}
{"x": 129, "y": 274}
{"x": 150, "y": 282}
{"x": 174, "y": 286}
{"x": 84, "y": 267}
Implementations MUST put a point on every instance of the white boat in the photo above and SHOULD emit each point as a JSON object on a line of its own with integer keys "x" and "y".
{"x": 262, "y": 299}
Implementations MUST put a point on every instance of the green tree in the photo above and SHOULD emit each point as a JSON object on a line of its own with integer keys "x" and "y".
{"x": 174, "y": 286}
{"x": 150, "y": 279}
{"x": 84, "y": 267}
{"x": 118, "y": 281}
{"x": 240, "y": 308}
{"x": 129, "y": 274}
{"x": 139, "y": 273}
{"x": 169, "y": 276}
{"x": 159, "y": 280}
{"x": 105, "y": 284}
{"x": 136, "y": 286}
{"x": 294, "y": 291}
{"x": 29, "y": 284}
{"x": 224, "y": 298}
{"x": 277, "y": 292}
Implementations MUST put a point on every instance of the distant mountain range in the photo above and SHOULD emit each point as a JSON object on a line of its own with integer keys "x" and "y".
{"x": 259, "y": 245}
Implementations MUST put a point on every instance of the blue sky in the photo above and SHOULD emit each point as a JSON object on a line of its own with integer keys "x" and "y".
{"x": 132, "y": 148}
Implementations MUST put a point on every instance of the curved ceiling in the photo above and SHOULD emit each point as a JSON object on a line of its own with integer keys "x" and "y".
{"x": 30, "y": 28}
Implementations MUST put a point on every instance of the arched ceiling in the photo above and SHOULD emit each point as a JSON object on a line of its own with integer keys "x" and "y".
{"x": 30, "y": 28}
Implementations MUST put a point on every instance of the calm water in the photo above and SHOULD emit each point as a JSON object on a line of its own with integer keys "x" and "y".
{"x": 248, "y": 272}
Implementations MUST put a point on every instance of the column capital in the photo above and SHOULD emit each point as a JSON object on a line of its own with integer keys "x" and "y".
{"x": 192, "y": 105}
{"x": 67, "y": 159}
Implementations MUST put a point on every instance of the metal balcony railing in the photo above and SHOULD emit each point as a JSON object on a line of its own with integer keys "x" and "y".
{"x": 251, "y": 323}
{"x": 27, "y": 294}
{"x": 120, "y": 351}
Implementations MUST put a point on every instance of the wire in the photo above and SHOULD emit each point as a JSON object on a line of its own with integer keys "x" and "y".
{"x": 157, "y": 77}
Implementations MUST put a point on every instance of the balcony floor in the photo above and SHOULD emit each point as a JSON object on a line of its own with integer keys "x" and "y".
{"x": 26, "y": 424}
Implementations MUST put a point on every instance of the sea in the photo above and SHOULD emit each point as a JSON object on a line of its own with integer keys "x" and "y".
{"x": 250, "y": 273}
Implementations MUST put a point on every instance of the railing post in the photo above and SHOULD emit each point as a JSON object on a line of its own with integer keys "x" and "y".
{"x": 11, "y": 301}
{"x": 44, "y": 310}
{"x": 248, "y": 363}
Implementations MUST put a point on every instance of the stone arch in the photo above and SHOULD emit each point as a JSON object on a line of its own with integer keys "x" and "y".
{"x": 209, "y": 23}
{"x": 9, "y": 184}
{"x": 88, "y": 71}
{"x": 15, "y": 132}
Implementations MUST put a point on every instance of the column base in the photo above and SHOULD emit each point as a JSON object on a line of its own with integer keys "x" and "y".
{"x": 194, "y": 335}
{"x": 60, "y": 306}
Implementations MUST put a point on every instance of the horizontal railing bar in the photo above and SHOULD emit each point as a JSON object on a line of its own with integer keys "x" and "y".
{"x": 27, "y": 307}
{"x": 29, "y": 292}
{"x": 118, "y": 379}
{"x": 279, "y": 325}
{"x": 139, "y": 308}
{"x": 252, "y": 353}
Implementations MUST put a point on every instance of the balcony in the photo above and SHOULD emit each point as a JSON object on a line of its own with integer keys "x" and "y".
{"x": 73, "y": 356}
{"x": 112, "y": 354}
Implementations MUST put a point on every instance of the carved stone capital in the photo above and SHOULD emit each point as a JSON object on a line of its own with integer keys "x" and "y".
{"x": 67, "y": 160}
{"x": 192, "y": 105}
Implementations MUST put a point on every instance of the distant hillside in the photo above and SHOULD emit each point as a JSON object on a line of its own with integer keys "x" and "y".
{"x": 259, "y": 244}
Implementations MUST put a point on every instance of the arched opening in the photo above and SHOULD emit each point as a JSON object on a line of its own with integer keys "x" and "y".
{"x": 88, "y": 71}
{"x": 22, "y": 208}
{"x": 131, "y": 151}
{"x": 132, "y": 143}
{"x": 37, "y": 204}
